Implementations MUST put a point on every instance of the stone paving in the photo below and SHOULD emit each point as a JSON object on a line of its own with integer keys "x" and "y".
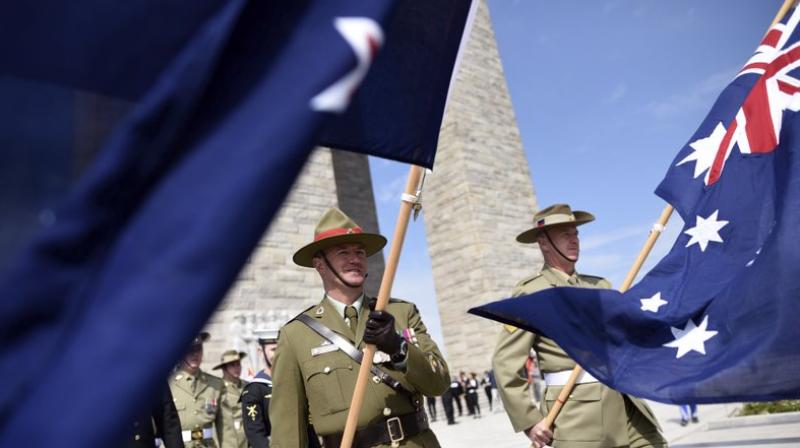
{"x": 718, "y": 428}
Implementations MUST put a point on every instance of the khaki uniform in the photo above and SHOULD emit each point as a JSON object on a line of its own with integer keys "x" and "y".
{"x": 594, "y": 415}
{"x": 232, "y": 429}
{"x": 198, "y": 400}
{"x": 319, "y": 386}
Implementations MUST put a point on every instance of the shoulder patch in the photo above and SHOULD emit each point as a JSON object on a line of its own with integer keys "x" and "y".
{"x": 510, "y": 328}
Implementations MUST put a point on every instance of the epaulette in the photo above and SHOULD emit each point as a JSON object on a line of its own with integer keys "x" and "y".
{"x": 302, "y": 312}
{"x": 596, "y": 277}
{"x": 527, "y": 280}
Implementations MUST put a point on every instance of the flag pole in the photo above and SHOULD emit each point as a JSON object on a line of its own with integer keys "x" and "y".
{"x": 563, "y": 396}
{"x": 409, "y": 201}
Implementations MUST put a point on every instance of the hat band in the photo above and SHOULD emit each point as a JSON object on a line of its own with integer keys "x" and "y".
{"x": 337, "y": 232}
{"x": 555, "y": 219}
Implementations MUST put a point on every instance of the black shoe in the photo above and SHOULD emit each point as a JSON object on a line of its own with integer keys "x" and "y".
{"x": 684, "y": 422}
{"x": 695, "y": 419}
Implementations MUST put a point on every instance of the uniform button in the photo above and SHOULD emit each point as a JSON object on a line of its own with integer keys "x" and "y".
{"x": 136, "y": 437}
{"x": 387, "y": 412}
{"x": 327, "y": 370}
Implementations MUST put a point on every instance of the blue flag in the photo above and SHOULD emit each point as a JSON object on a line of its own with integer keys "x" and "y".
{"x": 715, "y": 320}
{"x": 226, "y": 100}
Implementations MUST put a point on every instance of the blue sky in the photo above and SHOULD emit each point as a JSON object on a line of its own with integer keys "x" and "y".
{"x": 605, "y": 94}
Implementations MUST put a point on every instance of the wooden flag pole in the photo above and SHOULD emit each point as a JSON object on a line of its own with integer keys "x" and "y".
{"x": 409, "y": 199}
{"x": 637, "y": 265}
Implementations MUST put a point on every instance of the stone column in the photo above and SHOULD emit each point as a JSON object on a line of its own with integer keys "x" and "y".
{"x": 477, "y": 200}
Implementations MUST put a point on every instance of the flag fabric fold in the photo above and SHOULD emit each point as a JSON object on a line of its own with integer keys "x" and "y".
{"x": 713, "y": 321}
{"x": 141, "y": 252}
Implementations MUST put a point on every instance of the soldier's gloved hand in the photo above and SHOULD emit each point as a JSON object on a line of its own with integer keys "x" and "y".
{"x": 380, "y": 332}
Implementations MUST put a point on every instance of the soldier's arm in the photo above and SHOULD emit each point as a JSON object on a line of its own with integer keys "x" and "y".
{"x": 288, "y": 409}
{"x": 254, "y": 416}
{"x": 167, "y": 422}
{"x": 510, "y": 354}
{"x": 425, "y": 366}
{"x": 219, "y": 421}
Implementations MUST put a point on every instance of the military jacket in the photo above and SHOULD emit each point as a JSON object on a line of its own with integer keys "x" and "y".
{"x": 316, "y": 383}
{"x": 233, "y": 430}
{"x": 197, "y": 399}
{"x": 594, "y": 415}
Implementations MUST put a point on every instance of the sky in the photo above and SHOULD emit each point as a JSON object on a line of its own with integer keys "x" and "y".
{"x": 605, "y": 94}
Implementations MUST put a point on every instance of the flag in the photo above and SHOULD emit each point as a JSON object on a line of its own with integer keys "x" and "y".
{"x": 226, "y": 101}
{"x": 715, "y": 319}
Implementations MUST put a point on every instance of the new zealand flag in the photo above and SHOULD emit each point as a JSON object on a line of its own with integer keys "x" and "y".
{"x": 716, "y": 319}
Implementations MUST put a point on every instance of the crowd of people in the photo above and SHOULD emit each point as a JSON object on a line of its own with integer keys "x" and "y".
{"x": 464, "y": 392}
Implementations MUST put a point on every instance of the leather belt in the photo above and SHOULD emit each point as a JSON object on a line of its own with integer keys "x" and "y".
{"x": 391, "y": 431}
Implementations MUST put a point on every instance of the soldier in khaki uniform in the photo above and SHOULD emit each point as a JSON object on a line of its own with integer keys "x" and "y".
{"x": 594, "y": 415}
{"x": 197, "y": 397}
{"x": 233, "y": 431}
{"x": 315, "y": 379}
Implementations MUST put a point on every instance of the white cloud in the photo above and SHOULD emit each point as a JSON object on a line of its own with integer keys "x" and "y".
{"x": 699, "y": 96}
{"x": 617, "y": 94}
{"x": 392, "y": 190}
{"x": 599, "y": 240}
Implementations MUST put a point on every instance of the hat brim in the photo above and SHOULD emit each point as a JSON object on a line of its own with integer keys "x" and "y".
{"x": 242, "y": 355}
{"x": 372, "y": 244}
{"x": 530, "y": 236}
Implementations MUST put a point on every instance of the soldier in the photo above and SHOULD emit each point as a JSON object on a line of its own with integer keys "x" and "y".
{"x": 197, "y": 396}
{"x": 594, "y": 415}
{"x": 318, "y": 354}
{"x": 231, "y": 366}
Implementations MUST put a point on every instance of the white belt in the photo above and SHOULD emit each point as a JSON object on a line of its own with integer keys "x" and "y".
{"x": 187, "y": 435}
{"x": 561, "y": 378}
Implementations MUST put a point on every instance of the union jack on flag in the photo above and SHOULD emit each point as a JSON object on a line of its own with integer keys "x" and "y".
{"x": 749, "y": 113}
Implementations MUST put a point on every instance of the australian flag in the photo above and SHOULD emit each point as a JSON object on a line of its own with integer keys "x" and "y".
{"x": 716, "y": 319}
{"x": 112, "y": 260}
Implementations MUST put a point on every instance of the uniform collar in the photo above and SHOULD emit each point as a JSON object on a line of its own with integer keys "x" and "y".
{"x": 339, "y": 306}
{"x": 560, "y": 276}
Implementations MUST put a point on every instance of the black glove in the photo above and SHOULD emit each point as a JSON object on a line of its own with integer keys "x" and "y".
{"x": 380, "y": 332}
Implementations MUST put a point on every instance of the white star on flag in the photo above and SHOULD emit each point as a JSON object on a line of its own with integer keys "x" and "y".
{"x": 705, "y": 230}
{"x": 653, "y": 303}
{"x": 705, "y": 150}
{"x": 692, "y": 337}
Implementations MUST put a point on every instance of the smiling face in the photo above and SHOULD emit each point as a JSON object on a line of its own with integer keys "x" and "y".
{"x": 346, "y": 262}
